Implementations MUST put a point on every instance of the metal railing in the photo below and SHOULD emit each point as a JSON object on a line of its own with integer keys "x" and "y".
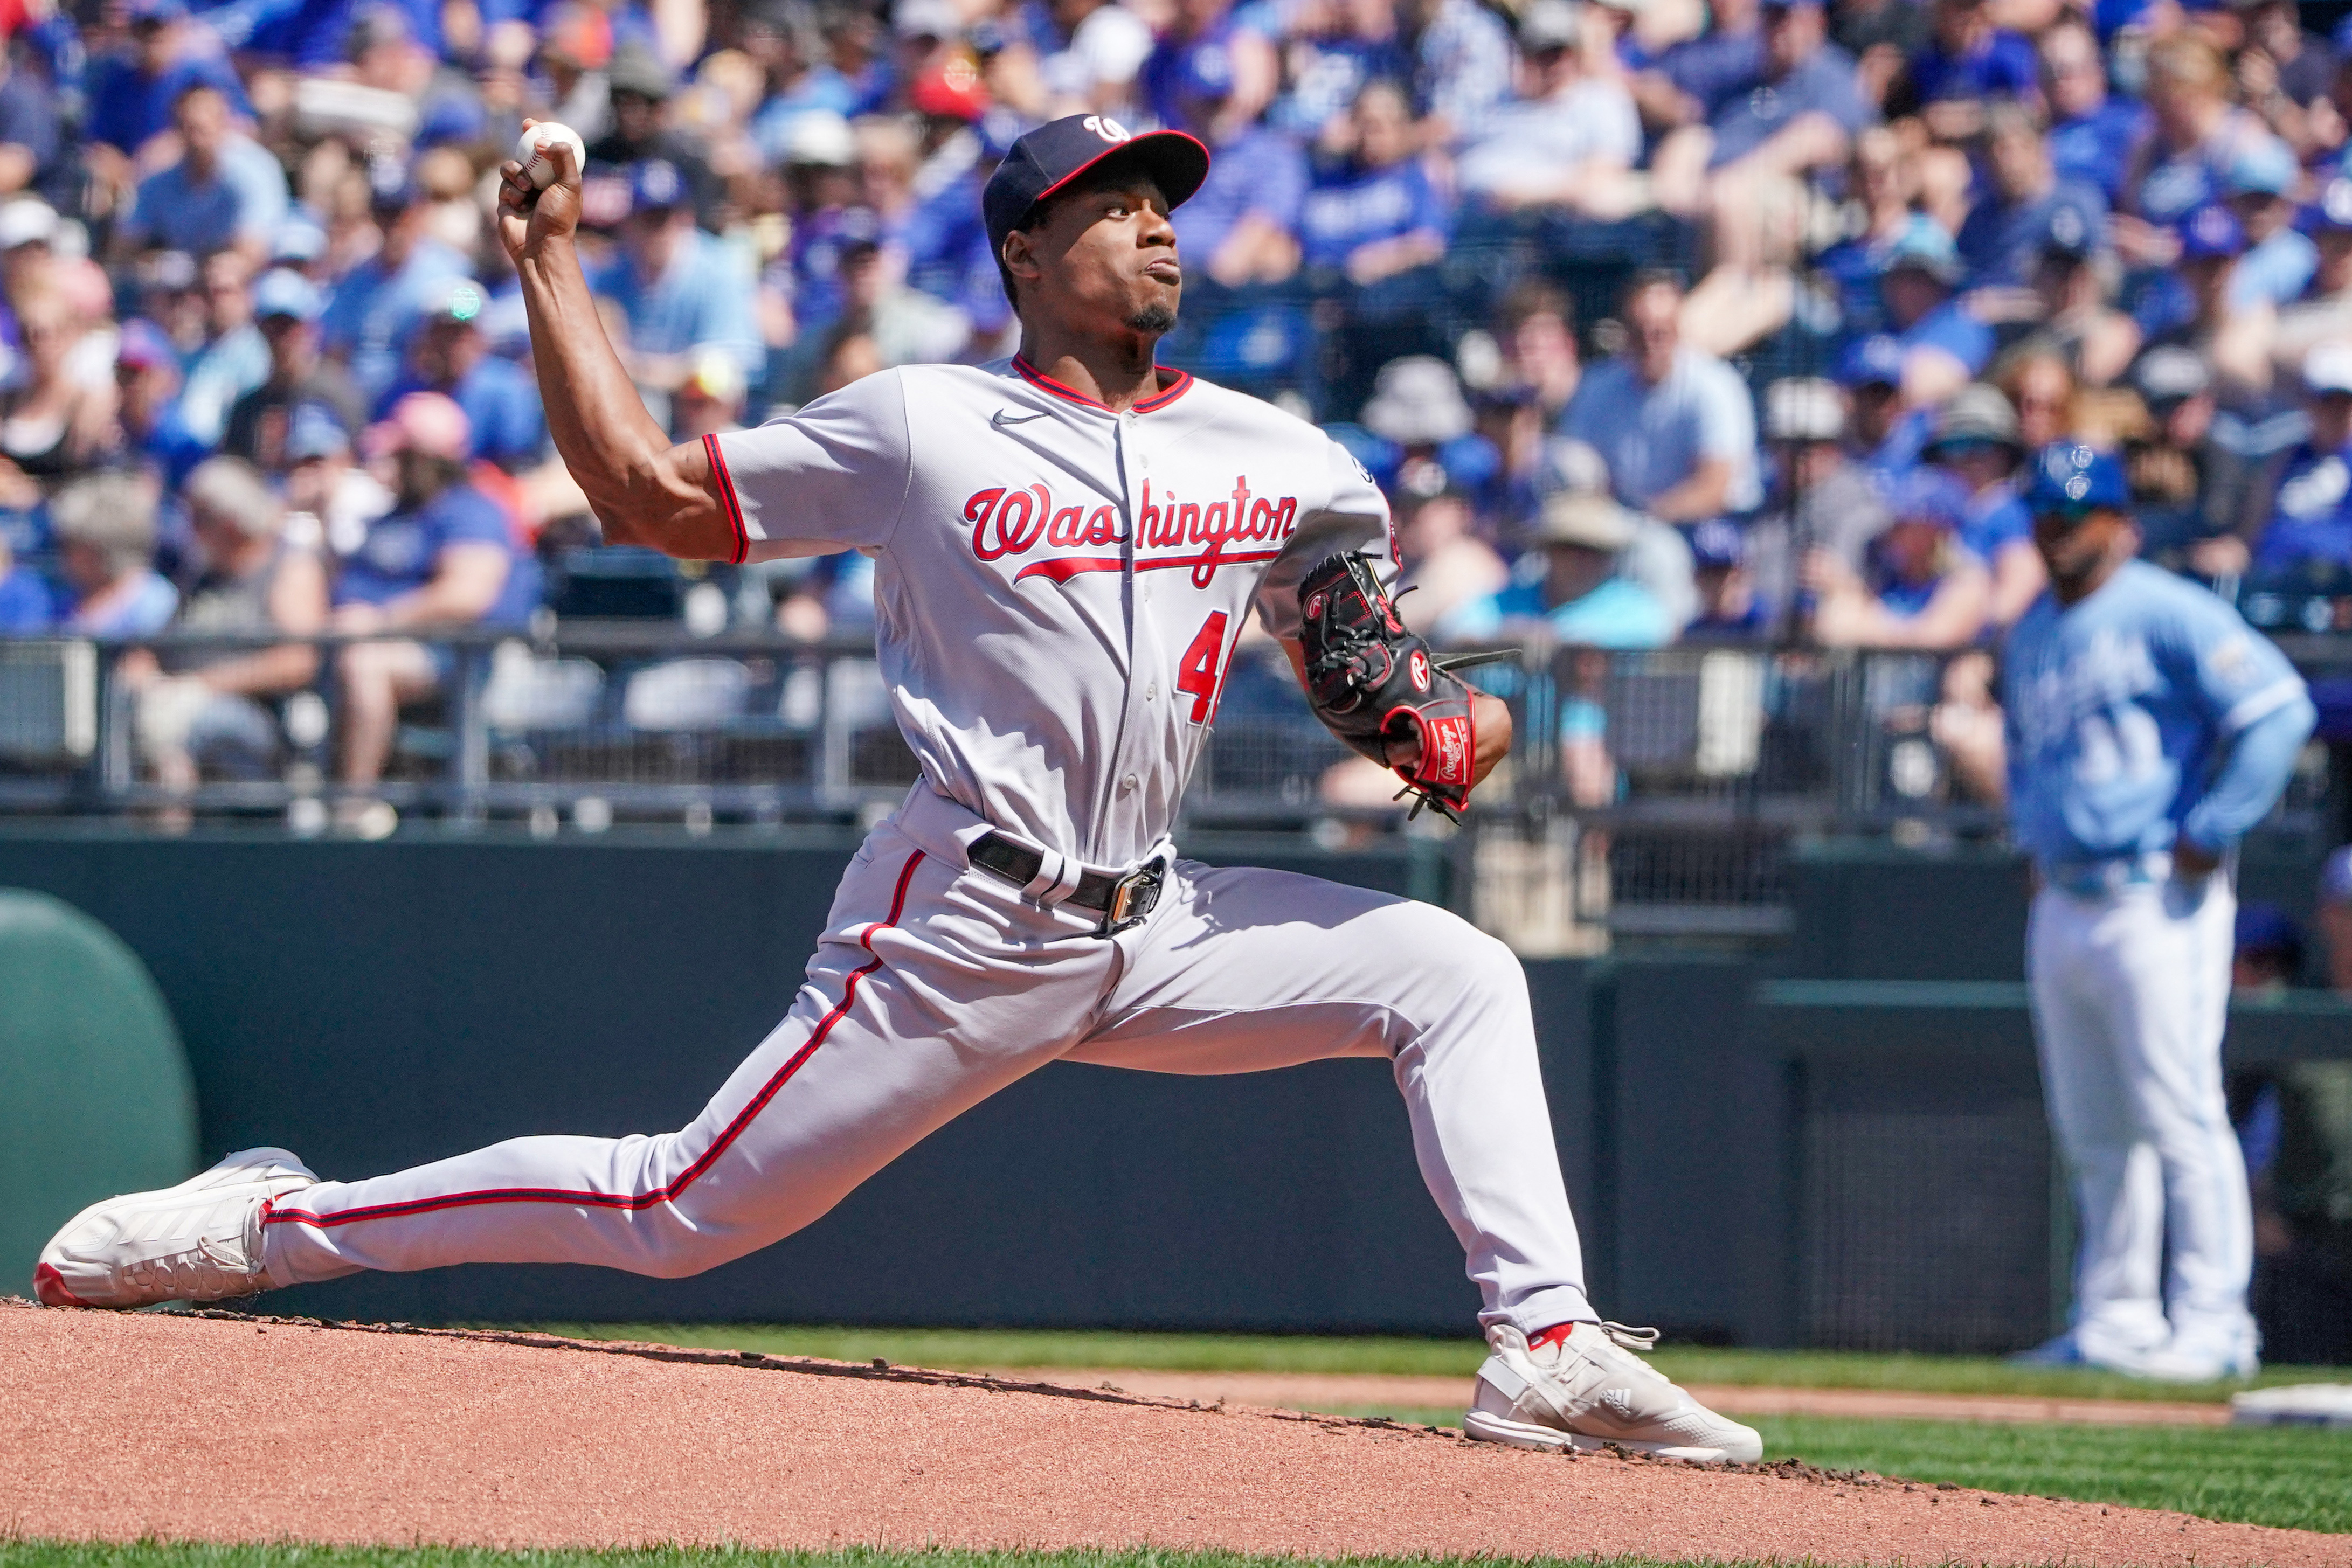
{"x": 1652, "y": 791}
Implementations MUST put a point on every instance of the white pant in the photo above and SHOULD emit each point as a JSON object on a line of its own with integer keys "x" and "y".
{"x": 2131, "y": 992}
{"x": 934, "y": 986}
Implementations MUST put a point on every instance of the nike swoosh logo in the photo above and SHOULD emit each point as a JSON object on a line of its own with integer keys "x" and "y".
{"x": 1005, "y": 418}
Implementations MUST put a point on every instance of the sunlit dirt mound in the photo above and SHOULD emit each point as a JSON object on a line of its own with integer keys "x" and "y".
{"x": 225, "y": 1428}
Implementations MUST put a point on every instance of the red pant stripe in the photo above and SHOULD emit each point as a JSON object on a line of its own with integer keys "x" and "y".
{"x": 744, "y": 1118}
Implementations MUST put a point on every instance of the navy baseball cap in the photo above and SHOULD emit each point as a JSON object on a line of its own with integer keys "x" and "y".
{"x": 2211, "y": 233}
{"x": 2071, "y": 478}
{"x": 1047, "y": 159}
{"x": 656, "y": 186}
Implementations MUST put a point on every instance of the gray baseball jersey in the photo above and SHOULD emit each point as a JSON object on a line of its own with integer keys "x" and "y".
{"x": 1058, "y": 587}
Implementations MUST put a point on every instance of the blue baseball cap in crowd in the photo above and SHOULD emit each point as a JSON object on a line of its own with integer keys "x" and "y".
{"x": 1927, "y": 496}
{"x": 1048, "y": 158}
{"x": 300, "y": 238}
{"x": 282, "y": 292}
{"x": 2333, "y": 211}
{"x": 2264, "y": 168}
{"x": 2070, "y": 229}
{"x": 656, "y": 186}
{"x": 315, "y": 432}
{"x": 1925, "y": 248}
{"x": 2210, "y": 234}
{"x": 2071, "y": 478}
{"x": 1717, "y": 545}
{"x": 1872, "y": 361}
{"x": 390, "y": 188}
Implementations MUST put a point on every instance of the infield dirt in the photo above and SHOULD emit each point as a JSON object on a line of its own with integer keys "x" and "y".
{"x": 233, "y": 1428}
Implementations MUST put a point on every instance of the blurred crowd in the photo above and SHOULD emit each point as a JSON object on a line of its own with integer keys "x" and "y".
{"x": 1659, "y": 319}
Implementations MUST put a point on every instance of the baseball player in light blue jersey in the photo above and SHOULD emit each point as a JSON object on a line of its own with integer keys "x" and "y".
{"x": 2148, "y": 728}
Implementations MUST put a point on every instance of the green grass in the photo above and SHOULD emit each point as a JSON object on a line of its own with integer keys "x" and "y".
{"x": 2295, "y": 1477}
{"x": 192, "y": 1554}
{"x": 1009, "y": 1350}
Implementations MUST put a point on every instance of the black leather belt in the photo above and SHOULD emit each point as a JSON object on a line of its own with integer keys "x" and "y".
{"x": 1121, "y": 901}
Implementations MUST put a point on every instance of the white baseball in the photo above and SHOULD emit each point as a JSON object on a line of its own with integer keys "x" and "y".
{"x": 536, "y": 152}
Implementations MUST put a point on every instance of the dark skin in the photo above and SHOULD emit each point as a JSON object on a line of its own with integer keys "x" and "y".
{"x": 1096, "y": 282}
{"x": 2084, "y": 550}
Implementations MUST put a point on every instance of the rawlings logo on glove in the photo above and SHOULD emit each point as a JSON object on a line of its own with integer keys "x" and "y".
{"x": 1377, "y": 687}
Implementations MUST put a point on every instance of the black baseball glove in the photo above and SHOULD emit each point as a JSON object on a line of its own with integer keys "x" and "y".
{"x": 1378, "y": 685}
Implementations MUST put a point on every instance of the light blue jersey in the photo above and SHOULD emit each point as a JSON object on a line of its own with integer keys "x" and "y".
{"x": 2120, "y": 709}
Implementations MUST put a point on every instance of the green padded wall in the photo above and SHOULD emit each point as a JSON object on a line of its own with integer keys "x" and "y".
{"x": 95, "y": 1093}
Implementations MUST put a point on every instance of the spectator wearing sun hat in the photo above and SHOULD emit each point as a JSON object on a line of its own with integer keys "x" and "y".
{"x": 1919, "y": 587}
{"x": 450, "y": 354}
{"x": 640, "y": 87}
{"x": 1823, "y": 497}
{"x": 1977, "y": 442}
{"x": 1569, "y": 586}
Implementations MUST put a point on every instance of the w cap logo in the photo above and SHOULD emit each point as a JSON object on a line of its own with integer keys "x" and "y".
{"x": 1102, "y": 125}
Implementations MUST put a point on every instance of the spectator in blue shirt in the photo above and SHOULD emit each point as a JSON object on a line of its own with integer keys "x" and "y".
{"x": 226, "y": 192}
{"x": 2278, "y": 261}
{"x": 1570, "y": 142}
{"x": 1944, "y": 344}
{"x": 2198, "y": 135}
{"x": 2001, "y": 240}
{"x": 1676, "y": 426}
{"x": 1918, "y": 588}
{"x": 24, "y": 603}
{"x": 680, "y": 289}
{"x": 1461, "y": 65}
{"x": 1695, "y": 78}
{"x": 1569, "y": 587}
{"x": 131, "y": 94}
{"x": 2092, "y": 134}
{"x": 1884, "y": 434}
{"x": 1978, "y": 444}
{"x": 443, "y": 556}
{"x": 782, "y": 39}
{"x": 105, "y": 527}
{"x": 378, "y": 303}
{"x": 1240, "y": 227}
{"x": 1378, "y": 214}
{"x": 1970, "y": 64}
{"x": 2308, "y": 540}
{"x": 450, "y": 355}
{"x": 30, "y": 139}
{"x": 1802, "y": 106}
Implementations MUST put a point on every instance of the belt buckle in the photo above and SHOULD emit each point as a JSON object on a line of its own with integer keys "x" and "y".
{"x": 1133, "y": 898}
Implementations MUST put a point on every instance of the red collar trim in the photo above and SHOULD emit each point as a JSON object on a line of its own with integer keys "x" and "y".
{"x": 1159, "y": 399}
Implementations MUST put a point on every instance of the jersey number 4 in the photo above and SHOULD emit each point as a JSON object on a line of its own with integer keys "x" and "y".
{"x": 1202, "y": 673}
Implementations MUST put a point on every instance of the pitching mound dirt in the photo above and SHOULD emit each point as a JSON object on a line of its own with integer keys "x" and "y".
{"x": 221, "y": 1429}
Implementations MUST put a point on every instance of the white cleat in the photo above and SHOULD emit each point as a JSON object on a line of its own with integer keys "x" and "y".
{"x": 1586, "y": 1390}
{"x": 198, "y": 1241}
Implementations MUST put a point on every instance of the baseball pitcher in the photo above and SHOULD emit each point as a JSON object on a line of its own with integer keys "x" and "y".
{"x": 1067, "y": 545}
{"x": 2149, "y": 727}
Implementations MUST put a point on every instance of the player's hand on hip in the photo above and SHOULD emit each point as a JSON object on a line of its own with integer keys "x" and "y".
{"x": 530, "y": 216}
